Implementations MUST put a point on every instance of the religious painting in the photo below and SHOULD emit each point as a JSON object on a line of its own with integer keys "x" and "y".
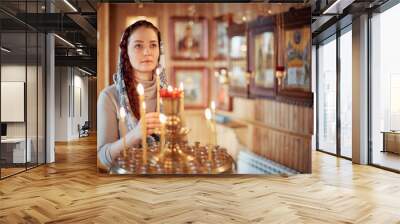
{"x": 189, "y": 38}
{"x": 262, "y": 57}
{"x": 238, "y": 78}
{"x": 238, "y": 47}
{"x": 297, "y": 59}
{"x": 195, "y": 82}
{"x": 221, "y": 48}
{"x": 222, "y": 97}
{"x": 295, "y": 86}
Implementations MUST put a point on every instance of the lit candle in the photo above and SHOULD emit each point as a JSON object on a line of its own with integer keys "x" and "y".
{"x": 170, "y": 89}
{"x": 158, "y": 73}
{"x": 214, "y": 121}
{"x": 182, "y": 102}
{"x": 122, "y": 115}
{"x": 142, "y": 104}
{"x": 163, "y": 120}
{"x": 207, "y": 113}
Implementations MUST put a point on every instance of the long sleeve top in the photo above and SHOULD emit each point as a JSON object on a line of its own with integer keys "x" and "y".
{"x": 109, "y": 136}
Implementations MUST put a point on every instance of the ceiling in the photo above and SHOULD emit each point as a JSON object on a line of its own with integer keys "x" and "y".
{"x": 76, "y": 22}
{"x": 73, "y": 20}
{"x": 332, "y": 15}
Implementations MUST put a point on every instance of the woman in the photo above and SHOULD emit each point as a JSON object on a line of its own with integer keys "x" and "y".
{"x": 140, "y": 53}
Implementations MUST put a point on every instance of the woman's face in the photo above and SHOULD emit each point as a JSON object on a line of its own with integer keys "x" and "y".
{"x": 143, "y": 50}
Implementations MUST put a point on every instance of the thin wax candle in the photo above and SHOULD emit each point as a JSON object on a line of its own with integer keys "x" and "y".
{"x": 142, "y": 104}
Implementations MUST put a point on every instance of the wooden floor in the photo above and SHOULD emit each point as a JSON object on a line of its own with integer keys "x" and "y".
{"x": 70, "y": 191}
{"x": 10, "y": 171}
{"x": 387, "y": 159}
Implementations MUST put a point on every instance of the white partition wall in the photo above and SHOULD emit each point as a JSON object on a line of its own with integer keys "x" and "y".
{"x": 22, "y": 90}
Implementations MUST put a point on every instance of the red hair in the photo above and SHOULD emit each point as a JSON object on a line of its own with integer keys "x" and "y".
{"x": 126, "y": 67}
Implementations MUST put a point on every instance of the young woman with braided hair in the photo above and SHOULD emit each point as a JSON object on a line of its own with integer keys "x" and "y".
{"x": 140, "y": 56}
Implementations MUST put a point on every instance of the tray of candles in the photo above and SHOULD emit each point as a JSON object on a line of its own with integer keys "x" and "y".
{"x": 173, "y": 154}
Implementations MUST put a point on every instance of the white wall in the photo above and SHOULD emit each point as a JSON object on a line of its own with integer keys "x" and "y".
{"x": 71, "y": 93}
{"x": 314, "y": 90}
{"x": 12, "y": 73}
{"x": 61, "y": 103}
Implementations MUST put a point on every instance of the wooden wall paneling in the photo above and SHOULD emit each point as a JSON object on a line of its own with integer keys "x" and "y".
{"x": 300, "y": 153}
{"x": 256, "y": 140}
{"x": 280, "y": 115}
{"x": 258, "y": 111}
{"x": 275, "y": 112}
{"x": 269, "y": 109}
{"x": 295, "y": 154}
{"x": 285, "y": 114}
{"x": 274, "y": 147}
{"x": 289, "y": 117}
{"x": 278, "y": 146}
{"x": 295, "y": 117}
{"x": 282, "y": 150}
{"x": 271, "y": 138}
{"x": 301, "y": 120}
{"x": 290, "y": 159}
{"x": 103, "y": 53}
{"x": 308, "y": 124}
{"x": 285, "y": 154}
{"x": 304, "y": 154}
{"x": 268, "y": 145}
{"x": 263, "y": 140}
{"x": 311, "y": 120}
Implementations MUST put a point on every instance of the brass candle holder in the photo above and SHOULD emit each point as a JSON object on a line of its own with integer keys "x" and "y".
{"x": 176, "y": 156}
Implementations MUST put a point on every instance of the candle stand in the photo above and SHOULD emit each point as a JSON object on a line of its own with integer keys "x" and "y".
{"x": 176, "y": 155}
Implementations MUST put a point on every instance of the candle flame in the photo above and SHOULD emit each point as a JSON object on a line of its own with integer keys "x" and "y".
{"x": 163, "y": 118}
{"x": 181, "y": 86}
{"x": 169, "y": 88}
{"x": 213, "y": 106}
{"x": 144, "y": 105}
{"x": 140, "y": 89}
{"x": 207, "y": 113}
{"x": 223, "y": 71}
{"x": 122, "y": 112}
{"x": 158, "y": 71}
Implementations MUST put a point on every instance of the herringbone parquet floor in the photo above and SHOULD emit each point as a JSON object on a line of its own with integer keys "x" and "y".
{"x": 70, "y": 191}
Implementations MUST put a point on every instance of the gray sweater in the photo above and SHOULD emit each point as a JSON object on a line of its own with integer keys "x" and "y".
{"x": 109, "y": 141}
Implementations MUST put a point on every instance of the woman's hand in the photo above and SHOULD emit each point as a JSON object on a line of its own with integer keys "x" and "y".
{"x": 153, "y": 122}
